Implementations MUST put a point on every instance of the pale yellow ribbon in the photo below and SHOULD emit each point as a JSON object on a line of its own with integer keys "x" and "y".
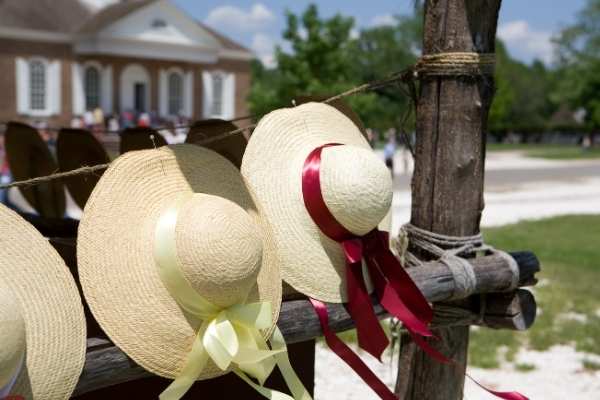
{"x": 230, "y": 337}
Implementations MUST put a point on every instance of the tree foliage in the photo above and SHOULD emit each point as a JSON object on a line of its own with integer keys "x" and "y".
{"x": 579, "y": 63}
{"x": 326, "y": 58}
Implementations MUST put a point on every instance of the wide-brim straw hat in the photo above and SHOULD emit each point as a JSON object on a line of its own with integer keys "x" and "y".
{"x": 231, "y": 147}
{"x": 29, "y": 157}
{"x": 356, "y": 187}
{"x": 340, "y": 104}
{"x": 76, "y": 148}
{"x": 40, "y": 296}
{"x": 140, "y": 138}
{"x": 224, "y": 246}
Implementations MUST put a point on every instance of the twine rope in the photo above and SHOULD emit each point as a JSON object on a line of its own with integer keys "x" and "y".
{"x": 456, "y": 64}
{"x": 442, "y": 64}
{"x": 451, "y": 250}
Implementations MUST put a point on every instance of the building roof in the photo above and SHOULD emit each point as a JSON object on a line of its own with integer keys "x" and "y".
{"x": 60, "y": 16}
{"x": 75, "y": 17}
{"x": 225, "y": 41}
{"x": 112, "y": 13}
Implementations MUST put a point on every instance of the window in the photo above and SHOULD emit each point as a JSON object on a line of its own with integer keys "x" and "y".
{"x": 37, "y": 85}
{"x": 175, "y": 93}
{"x": 91, "y": 84}
{"x": 217, "y": 90}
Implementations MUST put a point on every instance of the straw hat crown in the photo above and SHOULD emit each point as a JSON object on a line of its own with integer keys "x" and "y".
{"x": 12, "y": 329}
{"x": 219, "y": 247}
{"x": 356, "y": 187}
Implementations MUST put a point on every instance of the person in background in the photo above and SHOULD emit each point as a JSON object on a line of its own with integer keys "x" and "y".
{"x": 88, "y": 119}
{"x": 389, "y": 151}
{"x": 113, "y": 124}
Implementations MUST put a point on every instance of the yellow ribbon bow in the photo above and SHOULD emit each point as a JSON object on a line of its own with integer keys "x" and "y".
{"x": 231, "y": 336}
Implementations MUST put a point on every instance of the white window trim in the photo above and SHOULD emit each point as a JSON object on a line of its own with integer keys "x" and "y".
{"x": 98, "y": 66}
{"x": 52, "y": 98}
{"x": 228, "y": 94}
{"x": 186, "y": 95}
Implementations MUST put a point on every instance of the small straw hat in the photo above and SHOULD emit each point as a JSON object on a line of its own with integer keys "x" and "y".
{"x": 140, "y": 138}
{"x": 232, "y": 147}
{"x": 42, "y": 325}
{"x": 224, "y": 248}
{"x": 77, "y": 148}
{"x": 29, "y": 157}
{"x": 339, "y": 104}
{"x": 356, "y": 187}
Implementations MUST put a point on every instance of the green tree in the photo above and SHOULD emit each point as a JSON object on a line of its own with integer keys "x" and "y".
{"x": 579, "y": 58}
{"x": 326, "y": 59}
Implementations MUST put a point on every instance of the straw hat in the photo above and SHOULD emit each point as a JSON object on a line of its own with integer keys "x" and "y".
{"x": 232, "y": 147}
{"x": 356, "y": 186}
{"x": 339, "y": 104}
{"x": 76, "y": 148}
{"x": 140, "y": 138}
{"x": 29, "y": 157}
{"x": 42, "y": 325}
{"x": 222, "y": 244}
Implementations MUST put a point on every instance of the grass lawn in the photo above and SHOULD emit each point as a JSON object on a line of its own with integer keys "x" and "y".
{"x": 568, "y": 296}
{"x": 548, "y": 151}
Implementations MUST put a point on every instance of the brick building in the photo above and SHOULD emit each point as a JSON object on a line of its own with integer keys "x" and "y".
{"x": 59, "y": 58}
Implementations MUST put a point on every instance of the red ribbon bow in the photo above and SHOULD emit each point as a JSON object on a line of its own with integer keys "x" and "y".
{"x": 394, "y": 288}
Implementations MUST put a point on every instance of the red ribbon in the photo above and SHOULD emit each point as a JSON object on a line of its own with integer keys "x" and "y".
{"x": 395, "y": 290}
{"x": 13, "y": 398}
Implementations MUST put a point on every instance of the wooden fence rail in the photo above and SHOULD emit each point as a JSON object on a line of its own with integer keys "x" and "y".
{"x": 106, "y": 365}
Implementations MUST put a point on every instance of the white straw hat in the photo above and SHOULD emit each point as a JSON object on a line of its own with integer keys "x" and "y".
{"x": 42, "y": 325}
{"x": 356, "y": 187}
{"x": 224, "y": 248}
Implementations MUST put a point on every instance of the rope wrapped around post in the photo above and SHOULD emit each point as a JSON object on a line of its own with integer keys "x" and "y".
{"x": 451, "y": 250}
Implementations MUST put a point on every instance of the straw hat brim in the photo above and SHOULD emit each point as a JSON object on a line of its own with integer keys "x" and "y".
{"x": 311, "y": 263}
{"x": 76, "y": 148}
{"x": 51, "y": 307}
{"x": 231, "y": 147}
{"x": 140, "y": 138}
{"x": 115, "y": 251}
{"x": 29, "y": 157}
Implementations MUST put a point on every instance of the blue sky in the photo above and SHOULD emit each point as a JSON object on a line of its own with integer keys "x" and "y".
{"x": 526, "y": 26}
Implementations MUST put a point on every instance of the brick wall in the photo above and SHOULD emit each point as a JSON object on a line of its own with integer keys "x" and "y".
{"x": 10, "y": 49}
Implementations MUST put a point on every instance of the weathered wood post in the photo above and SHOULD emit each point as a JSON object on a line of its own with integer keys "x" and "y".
{"x": 447, "y": 186}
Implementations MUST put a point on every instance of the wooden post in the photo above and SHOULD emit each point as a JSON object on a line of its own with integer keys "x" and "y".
{"x": 447, "y": 186}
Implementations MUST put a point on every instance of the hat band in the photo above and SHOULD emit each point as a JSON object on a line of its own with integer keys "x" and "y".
{"x": 5, "y": 391}
{"x": 230, "y": 336}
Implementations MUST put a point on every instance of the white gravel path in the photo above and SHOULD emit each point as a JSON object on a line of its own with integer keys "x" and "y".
{"x": 558, "y": 375}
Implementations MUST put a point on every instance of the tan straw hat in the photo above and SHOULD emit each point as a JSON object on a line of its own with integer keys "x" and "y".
{"x": 42, "y": 325}
{"x": 140, "y": 138}
{"x": 29, "y": 157}
{"x": 77, "y": 148}
{"x": 356, "y": 187}
{"x": 339, "y": 104}
{"x": 232, "y": 147}
{"x": 224, "y": 250}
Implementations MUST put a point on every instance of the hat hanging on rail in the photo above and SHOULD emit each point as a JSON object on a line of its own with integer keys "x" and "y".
{"x": 42, "y": 324}
{"x": 340, "y": 104}
{"x": 140, "y": 138}
{"x": 189, "y": 252}
{"x": 76, "y": 148}
{"x": 356, "y": 186}
{"x": 29, "y": 157}
{"x": 231, "y": 147}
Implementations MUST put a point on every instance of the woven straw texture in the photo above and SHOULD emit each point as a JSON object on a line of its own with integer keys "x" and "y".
{"x": 356, "y": 186}
{"x": 231, "y": 147}
{"x": 219, "y": 237}
{"x": 51, "y": 308}
{"x": 76, "y": 148}
{"x": 29, "y": 157}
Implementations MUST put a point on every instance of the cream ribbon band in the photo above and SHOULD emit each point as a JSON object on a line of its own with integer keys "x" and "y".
{"x": 230, "y": 337}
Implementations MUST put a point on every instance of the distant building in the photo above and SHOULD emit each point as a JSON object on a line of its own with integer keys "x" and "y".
{"x": 59, "y": 58}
